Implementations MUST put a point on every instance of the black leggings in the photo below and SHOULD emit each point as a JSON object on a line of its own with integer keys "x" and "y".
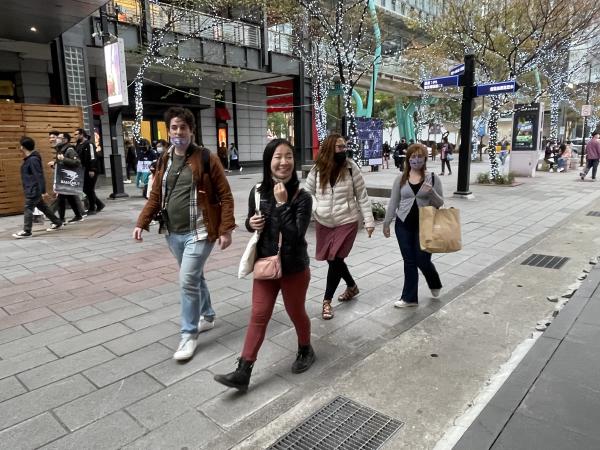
{"x": 337, "y": 270}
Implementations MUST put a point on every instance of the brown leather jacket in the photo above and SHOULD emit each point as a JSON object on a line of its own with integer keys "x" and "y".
{"x": 214, "y": 194}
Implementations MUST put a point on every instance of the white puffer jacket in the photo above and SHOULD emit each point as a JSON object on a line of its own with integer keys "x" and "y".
{"x": 343, "y": 203}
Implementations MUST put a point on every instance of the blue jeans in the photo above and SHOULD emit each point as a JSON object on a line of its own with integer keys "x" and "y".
{"x": 195, "y": 298}
{"x": 414, "y": 259}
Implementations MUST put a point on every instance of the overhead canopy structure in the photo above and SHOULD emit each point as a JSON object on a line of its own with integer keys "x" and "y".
{"x": 43, "y": 20}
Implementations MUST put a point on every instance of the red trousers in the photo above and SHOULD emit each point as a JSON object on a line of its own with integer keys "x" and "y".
{"x": 264, "y": 293}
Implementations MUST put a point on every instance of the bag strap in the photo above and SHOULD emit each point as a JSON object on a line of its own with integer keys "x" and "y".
{"x": 256, "y": 198}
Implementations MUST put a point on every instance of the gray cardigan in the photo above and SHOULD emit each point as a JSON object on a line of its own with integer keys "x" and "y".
{"x": 403, "y": 198}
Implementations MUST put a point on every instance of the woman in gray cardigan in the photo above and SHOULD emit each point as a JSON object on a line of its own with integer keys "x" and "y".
{"x": 413, "y": 189}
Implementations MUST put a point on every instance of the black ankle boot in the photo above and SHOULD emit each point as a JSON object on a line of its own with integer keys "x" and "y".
{"x": 239, "y": 378}
{"x": 304, "y": 359}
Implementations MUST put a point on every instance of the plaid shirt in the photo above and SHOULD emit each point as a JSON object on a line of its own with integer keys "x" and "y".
{"x": 199, "y": 230}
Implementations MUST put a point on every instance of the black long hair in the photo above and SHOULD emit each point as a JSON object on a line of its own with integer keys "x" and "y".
{"x": 267, "y": 181}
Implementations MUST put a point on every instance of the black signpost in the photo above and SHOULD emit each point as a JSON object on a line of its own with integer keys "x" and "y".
{"x": 466, "y": 128}
{"x": 464, "y": 75}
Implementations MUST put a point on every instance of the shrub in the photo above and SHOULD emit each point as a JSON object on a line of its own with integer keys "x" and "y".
{"x": 378, "y": 210}
{"x": 483, "y": 178}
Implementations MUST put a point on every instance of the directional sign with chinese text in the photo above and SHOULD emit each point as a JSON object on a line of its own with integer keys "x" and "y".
{"x": 503, "y": 87}
{"x": 457, "y": 70}
{"x": 436, "y": 83}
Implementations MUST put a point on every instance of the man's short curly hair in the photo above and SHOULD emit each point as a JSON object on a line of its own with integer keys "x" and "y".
{"x": 181, "y": 113}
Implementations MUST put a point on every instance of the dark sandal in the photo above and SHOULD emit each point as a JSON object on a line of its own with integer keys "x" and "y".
{"x": 327, "y": 310}
{"x": 349, "y": 294}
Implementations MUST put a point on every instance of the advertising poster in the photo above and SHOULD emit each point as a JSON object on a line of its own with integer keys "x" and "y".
{"x": 370, "y": 139}
{"x": 526, "y": 126}
{"x": 116, "y": 76}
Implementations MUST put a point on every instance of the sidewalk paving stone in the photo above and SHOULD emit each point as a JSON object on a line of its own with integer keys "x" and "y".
{"x": 175, "y": 400}
{"x": 190, "y": 430}
{"x": 112, "y": 431}
{"x": 154, "y": 317}
{"x": 114, "y": 397}
{"x": 26, "y": 361}
{"x": 108, "y": 318}
{"x": 35, "y": 341}
{"x": 12, "y": 334}
{"x": 87, "y": 340}
{"x": 141, "y": 338}
{"x": 43, "y": 399}
{"x": 45, "y": 324}
{"x": 232, "y": 407}
{"x": 10, "y": 387}
{"x": 20, "y": 437}
{"x": 127, "y": 365}
{"x": 170, "y": 371}
{"x": 64, "y": 367}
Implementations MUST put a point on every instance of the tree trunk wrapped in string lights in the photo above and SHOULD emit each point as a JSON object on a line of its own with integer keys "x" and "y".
{"x": 342, "y": 28}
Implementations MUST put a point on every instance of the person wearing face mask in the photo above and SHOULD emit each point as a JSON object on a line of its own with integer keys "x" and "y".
{"x": 193, "y": 197}
{"x": 145, "y": 155}
{"x": 68, "y": 157}
{"x": 161, "y": 146}
{"x": 340, "y": 202}
{"x": 283, "y": 213}
{"x": 415, "y": 188}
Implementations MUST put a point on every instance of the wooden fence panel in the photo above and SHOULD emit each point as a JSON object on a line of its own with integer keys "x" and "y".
{"x": 35, "y": 121}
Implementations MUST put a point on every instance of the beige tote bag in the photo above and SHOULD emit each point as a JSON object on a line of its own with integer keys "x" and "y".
{"x": 439, "y": 230}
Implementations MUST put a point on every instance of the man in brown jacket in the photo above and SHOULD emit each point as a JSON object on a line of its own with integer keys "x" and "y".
{"x": 193, "y": 201}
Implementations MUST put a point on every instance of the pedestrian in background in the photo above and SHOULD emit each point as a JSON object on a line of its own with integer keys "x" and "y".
{"x": 87, "y": 154}
{"x": 445, "y": 155}
{"x": 282, "y": 219}
{"x": 130, "y": 161}
{"x": 234, "y": 158}
{"x": 412, "y": 190}
{"x": 144, "y": 156}
{"x": 223, "y": 156}
{"x": 592, "y": 154}
{"x": 340, "y": 202}
{"x": 34, "y": 188}
{"x": 67, "y": 155}
{"x": 195, "y": 203}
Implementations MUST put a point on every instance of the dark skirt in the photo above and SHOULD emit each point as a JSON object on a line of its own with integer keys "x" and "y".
{"x": 335, "y": 242}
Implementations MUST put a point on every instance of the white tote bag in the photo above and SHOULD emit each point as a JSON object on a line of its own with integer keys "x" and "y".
{"x": 249, "y": 256}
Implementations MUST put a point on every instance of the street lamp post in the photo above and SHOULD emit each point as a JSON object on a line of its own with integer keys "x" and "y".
{"x": 587, "y": 102}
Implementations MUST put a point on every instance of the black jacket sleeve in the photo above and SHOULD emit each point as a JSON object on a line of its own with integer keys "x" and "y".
{"x": 251, "y": 209}
{"x": 293, "y": 219}
{"x": 38, "y": 173}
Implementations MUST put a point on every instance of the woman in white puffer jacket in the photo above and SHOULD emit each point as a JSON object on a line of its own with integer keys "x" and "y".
{"x": 340, "y": 203}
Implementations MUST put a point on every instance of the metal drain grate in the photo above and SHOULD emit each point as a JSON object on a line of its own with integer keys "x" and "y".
{"x": 593, "y": 213}
{"x": 341, "y": 424}
{"x": 546, "y": 261}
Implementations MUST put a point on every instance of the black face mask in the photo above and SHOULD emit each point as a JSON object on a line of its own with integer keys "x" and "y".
{"x": 339, "y": 158}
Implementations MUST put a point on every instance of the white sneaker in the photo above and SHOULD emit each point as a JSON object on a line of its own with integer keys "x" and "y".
{"x": 435, "y": 293}
{"x": 54, "y": 227}
{"x": 186, "y": 349}
{"x": 205, "y": 325}
{"x": 126, "y": 181}
{"x": 403, "y": 304}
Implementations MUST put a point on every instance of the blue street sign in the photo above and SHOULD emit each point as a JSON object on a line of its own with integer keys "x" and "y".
{"x": 497, "y": 88}
{"x": 458, "y": 70}
{"x": 436, "y": 83}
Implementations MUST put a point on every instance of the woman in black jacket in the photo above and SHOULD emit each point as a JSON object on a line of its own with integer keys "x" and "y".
{"x": 284, "y": 209}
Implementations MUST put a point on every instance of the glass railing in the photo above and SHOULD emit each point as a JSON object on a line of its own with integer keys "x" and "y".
{"x": 281, "y": 42}
{"x": 209, "y": 27}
